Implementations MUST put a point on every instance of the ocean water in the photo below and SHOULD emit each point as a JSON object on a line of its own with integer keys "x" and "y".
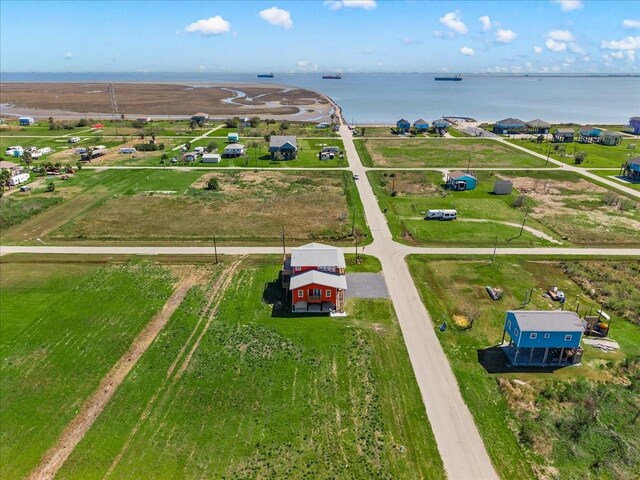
{"x": 385, "y": 98}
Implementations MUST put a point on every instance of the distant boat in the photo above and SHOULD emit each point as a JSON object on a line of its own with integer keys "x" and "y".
{"x": 332, "y": 77}
{"x": 265, "y": 75}
{"x": 456, "y": 78}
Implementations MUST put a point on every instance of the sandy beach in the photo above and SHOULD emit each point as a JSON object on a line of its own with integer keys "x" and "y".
{"x": 163, "y": 100}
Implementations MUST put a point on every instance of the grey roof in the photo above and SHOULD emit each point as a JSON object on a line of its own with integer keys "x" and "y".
{"x": 278, "y": 141}
{"x": 548, "y": 321}
{"x": 612, "y": 134}
{"x": 5, "y": 164}
{"x": 510, "y": 121}
{"x": 420, "y": 121}
{"x": 320, "y": 278}
{"x": 233, "y": 146}
{"x": 317, "y": 255}
{"x": 565, "y": 131}
{"x": 200, "y": 114}
{"x": 440, "y": 123}
{"x": 503, "y": 182}
{"x": 634, "y": 119}
{"x": 459, "y": 174}
{"x": 537, "y": 123}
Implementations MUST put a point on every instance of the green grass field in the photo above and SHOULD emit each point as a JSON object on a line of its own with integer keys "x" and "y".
{"x": 266, "y": 396}
{"x": 598, "y": 156}
{"x": 62, "y": 328}
{"x": 442, "y": 152}
{"x": 520, "y": 422}
{"x": 613, "y": 176}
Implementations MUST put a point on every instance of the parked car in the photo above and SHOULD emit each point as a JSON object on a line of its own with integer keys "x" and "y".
{"x": 25, "y": 188}
{"x": 356, "y": 176}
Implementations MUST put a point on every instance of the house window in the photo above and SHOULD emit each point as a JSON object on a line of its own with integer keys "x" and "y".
{"x": 547, "y": 335}
{"x": 567, "y": 338}
{"x": 533, "y": 336}
{"x": 515, "y": 332}
{"x": 300, "y": 294}
{"x": 328, "y": 293}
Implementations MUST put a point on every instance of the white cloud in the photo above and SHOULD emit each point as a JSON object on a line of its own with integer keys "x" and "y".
{"x": 277, "y": 16}
{"x": 452, "y": 21}
{"x": 575, "y": 48}
{"x": 631, "y": 24}
{"x": 437, "y": 34}
{"x": 467, "y": 51}
{"x": 537, "y": 49}
{"x": 619, "y": 54}
{"x": 210, "y": 26}
{"x": 560, "y": 35}
{"x": 631, "y": 56}
{"x": 569, "y": 5}
{"x": 338, "y": 4}
{"x": 379, "y": 64}
{"x": 505, "y": 36}
{"x": 628, "y": 43}
{"x": 306, "y": 66}
{"x": 68, "y": 55}
{"x": 586, "y": 59}
{"x": 485, "y": 21}
{"x": 517, "y": 69}
{"x": 555, "y": 46}
{"x": 410, "y": 41}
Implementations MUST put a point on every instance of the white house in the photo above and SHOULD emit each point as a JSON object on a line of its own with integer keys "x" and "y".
{"x": 211, "y": 158}
{"x": 233, "y": 150}
{"x": 18, "y": 178}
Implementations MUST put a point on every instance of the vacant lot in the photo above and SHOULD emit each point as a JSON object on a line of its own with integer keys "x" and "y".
{"x": 442, "y": 152}
{"x": 598, "y": 156}
{"x": 266, "y": 395}
{"x": 62, "y": 328}
{"x": 575, "y": 422}
{"x": 560, "y": 206}
{"x": 248, "y": 207}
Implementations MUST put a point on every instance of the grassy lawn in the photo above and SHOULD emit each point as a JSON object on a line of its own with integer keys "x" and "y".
{"x": 62, "y": 328}
{"x": 266, "y": 396}
{"x": 612, "y": 175}
{"x": 172, "y": 205}
{"x": 598, "y": 156}
{"x": 442, "y": 152}
{"x": 560, "y": 204}
{"x": 519, "y": 414}
{"x": 299, "y": 129}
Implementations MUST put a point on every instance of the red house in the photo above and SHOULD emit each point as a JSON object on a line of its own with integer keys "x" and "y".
{"x": 315, "y": 276}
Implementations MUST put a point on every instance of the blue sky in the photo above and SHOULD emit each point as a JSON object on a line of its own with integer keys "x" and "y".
{"x": 564, "y": 36}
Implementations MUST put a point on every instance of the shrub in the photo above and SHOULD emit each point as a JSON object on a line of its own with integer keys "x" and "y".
{"x": 51, "y": 187}
{"x": 213, "y": 184}
{"x": 579, "y": 158}
{"x": 148, "y": 147}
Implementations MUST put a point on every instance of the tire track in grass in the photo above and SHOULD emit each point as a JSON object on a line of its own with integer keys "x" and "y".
{"x": 57, "y": 455}
{"x": 218, "y": 291}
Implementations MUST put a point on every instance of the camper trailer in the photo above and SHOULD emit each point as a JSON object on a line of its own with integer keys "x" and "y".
{"x": 441, "y": 215}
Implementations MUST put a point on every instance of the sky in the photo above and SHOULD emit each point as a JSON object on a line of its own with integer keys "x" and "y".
{"x": 545, "y": 36}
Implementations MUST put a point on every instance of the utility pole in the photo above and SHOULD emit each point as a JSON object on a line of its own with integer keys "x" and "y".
{"x": 522, "y": 227}
{"x": 353, "y": 222}
{"x": 284, "y": 250}
{"x": 469, "y": 163}
{"x": 215, "y": 248}
{"x": 356, "y": 249}
{"x": 548, "y": 153}
{"x": 495, "y": 247}
{"x": 114, "y": 105}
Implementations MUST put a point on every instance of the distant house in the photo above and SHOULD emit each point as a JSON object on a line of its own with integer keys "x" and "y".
{"x": 323, "y": 125}
{"x": 459, "y": 180}
{"x": 190, "y": 156}
{"x": 564, "y": 135}
{"x": 421, "y": 125}
{"x": 543, "y": 338}
{"x": 633, "y": 126}
{"x": 315, "y": 276}
{"x": 245, "y": 122}
{"x": 630, "y": 169}
{"x": 143, "y": 119}
{"x": 200, "y": 117}
{"x": 283, "y": 147}
{"x": 329, "y": 153}
{"x": 509, "y": 126}
{"x": 403, "y": 125}
{"x": 26, "y": 121}
{"x": 611, "y": 138}
{"x": 233, "y": 150}
{"x": 503, "y": 187}
{"x": 17, "y": 174}
{"x": 538, "y": 127}
{"x": 589, "y": 134}
{"x": 440, "y": 126}
{"x": 233, "y": 137}
{"x": 211, "y": 158}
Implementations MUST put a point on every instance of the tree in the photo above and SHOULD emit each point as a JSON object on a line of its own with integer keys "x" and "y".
{"x": 51, "y": 187}
{"x": 284, "y": 126}
{"x": 192, "y": 125}
{"x": 27, "y": 158}
{"x": 254, "y": 122}
{"x": 579, "y": 158}
{"x": 232, "y": 122}
{"x": 213, "y": 184}
{"x": 362, "y": 130}
{"x": 164, "y": 156}
{"x": 212, "y": 147}
{"x": 187, "y": 146}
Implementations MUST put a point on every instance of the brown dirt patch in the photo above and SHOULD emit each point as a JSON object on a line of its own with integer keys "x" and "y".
{"x": 75, "y": 431}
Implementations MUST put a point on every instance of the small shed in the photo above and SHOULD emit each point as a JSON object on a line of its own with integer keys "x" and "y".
{"x": 233, "y": 137}
{"x": 26, "y": 121}
{"x": 564, "y": 135}
{"x": 611, "y": 138}
{"x": 542, "y": 338}
{"x": 421, "y": 125}
{"x": 143, "y": 119}
{"x": 403, "y": 125}
{"x": 211, "y": 158}
{"x": 459, "y": 180}
{"x": 508, "y": 126}
{"x": 538, "y": 127}
{"x": 503, "y": 187}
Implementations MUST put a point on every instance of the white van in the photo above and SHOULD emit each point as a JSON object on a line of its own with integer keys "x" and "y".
{"x": 434, "y": 215}
{"x": 199, "y": 150}
{"x": 450, "y": 215}
{"x": 74, "y": 140}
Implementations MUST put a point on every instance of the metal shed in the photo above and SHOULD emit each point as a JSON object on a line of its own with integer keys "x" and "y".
{"x": 502, "y": 187}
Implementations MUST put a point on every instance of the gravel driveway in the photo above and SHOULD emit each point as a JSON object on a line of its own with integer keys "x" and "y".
{"x": 366, "y": 285}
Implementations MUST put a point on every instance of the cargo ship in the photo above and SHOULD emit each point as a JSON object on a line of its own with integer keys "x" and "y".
{"x": 332, "y": 77}
{"x": 265, "y": 75}
{"x": 456, "y": 78}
